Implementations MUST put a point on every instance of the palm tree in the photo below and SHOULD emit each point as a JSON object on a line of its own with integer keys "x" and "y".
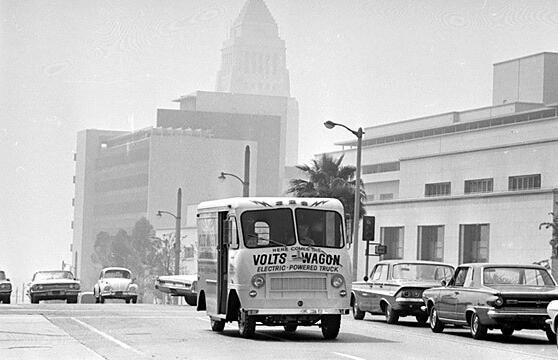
{"x": 327, "y": 178}
{"x": 554, "y": 226}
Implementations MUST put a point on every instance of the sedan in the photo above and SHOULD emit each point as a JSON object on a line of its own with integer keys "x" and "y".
{"x": 179, "y": 285}
{"x": 5, "y": 288}
{"x": 53, "y": 285}
{"x": 116, "y": 283}
{"x": 395, "y": 289}
{"x": 486, "y": 296}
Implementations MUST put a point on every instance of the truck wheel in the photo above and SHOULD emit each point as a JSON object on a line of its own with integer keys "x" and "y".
{"x": 217, "y": 325}
{"x": 478, "y": 330}
{"x": 330, "y": 326}
{"x": 391, "y": 315}
{"x": 246, "y": 325}
{"x": 435, "y": 324}
{"x": 357, "y": 313}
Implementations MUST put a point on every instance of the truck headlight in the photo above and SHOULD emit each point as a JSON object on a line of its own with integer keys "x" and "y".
{"x": 258, "y": 281}
{"x": 337, "y": 281}
{"x": 106, "y": 288}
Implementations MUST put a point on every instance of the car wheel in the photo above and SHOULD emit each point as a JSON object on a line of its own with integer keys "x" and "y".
{"x": 71, "y": 300}
{"x": 217, "y": 325}
{"x": 101, "y": 299}
{"x": 246, "y": 325}
{"x": 127, "y": 300}
{"x": 435, "y": 324}
{"x": 330, "y": 326}
{"x": 134, "y": 299}
{"x": 290, "y": 328}
{"x": 357, "y": 313}
{"x": 478, "y": 330}
{"x": 34, "y": 300}
{"x": 6, "y": 300}
{"x": 507, "y": 331}
{"x": 422, "y": 319}
{"x": 391, "y": 315}
{"x": 191, "y": 300}
{"x": 550, "y": 335}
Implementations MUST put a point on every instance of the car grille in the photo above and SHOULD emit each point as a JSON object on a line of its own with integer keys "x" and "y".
{"x": 289, "y": 285}
{"x": 55, "y": 286}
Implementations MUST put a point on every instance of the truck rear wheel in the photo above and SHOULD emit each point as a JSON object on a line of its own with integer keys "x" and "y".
{"x": 217, "y": 325}
{"x": 330, "y": 326}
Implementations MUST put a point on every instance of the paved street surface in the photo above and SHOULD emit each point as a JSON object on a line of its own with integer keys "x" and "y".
{"x": 127, "y": 331}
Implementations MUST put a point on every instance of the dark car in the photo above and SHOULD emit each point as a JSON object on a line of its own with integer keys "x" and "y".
{"x": 5, "y": 288}
{"x": 395, "y": 289}
{"x": 493, "y": 296}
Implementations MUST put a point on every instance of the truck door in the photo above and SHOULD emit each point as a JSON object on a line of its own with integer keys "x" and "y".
{"x": 222, "y": 263}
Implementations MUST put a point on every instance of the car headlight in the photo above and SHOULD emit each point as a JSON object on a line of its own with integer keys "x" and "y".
{"x": 337, "y": 281}
{"x": 106, "y": 288}
{"x": 74, "y": 286}
{"x": 258, "y": 281}
{"x": 39, "y": 287}
{"x": 133, "y": 287}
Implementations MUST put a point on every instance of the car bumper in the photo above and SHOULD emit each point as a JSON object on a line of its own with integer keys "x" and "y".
{"x": 53, "y": 294}
{"x": 5, "y": 292}
{"x": 118, "y": 294}
{"x": 175, "y": 291}
{"x": 296, "y": 311}
{"x": 525, "y": 318}
{"x": 409, "y": 306}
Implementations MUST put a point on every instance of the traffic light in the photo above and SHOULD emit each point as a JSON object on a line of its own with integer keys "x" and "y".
{"x": 368, "y": 224}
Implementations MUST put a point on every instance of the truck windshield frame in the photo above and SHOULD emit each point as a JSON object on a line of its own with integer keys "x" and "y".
{"x": 319, "y": 228}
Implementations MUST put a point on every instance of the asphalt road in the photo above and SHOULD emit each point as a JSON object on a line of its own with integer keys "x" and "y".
{"x": 127, "y": 331}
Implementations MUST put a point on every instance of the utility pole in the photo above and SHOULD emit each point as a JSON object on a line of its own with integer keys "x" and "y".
{"x": 177, "y": 244}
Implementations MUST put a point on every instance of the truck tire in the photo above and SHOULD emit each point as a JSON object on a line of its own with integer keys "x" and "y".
{"x": 246, "y": 325}
{"x": 330, "y": 326}
{"x": 217, "y": 325}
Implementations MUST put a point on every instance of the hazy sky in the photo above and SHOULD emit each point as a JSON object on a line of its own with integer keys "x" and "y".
{"x": 75, "y": 64}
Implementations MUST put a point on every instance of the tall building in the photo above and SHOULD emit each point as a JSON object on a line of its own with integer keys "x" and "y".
{"x": 469, "y": 186}
{"x": 122, "y": 176}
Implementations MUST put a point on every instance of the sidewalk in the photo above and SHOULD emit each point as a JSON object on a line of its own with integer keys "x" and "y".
{"x": 31, "y": 337}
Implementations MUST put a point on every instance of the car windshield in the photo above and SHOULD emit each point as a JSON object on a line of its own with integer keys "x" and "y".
{"x": 48, "y": 275}
{"x": 319, "y": 228}
{"x": 421, "y": 272}
{"x": 117, "y": 274}
{"x": 2, "y": 275}
{"x": 516, "y": 276}
{"x": 263, "y": 228}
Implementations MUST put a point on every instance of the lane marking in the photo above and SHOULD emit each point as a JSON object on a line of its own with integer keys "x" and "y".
{"x": 108, "y": 337}
{"x": 348, "y": 356}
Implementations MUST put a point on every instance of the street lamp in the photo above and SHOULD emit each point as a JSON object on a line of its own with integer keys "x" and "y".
{"x": 358, "y": 134}
{"x": 177, "y": 230}
{"x": 246, "y": 181}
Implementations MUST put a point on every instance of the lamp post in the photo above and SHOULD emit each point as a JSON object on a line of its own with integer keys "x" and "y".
{"x": 246, "y": 181}
{"x": 177, "y": 230}
{"x": 358, "y": 134}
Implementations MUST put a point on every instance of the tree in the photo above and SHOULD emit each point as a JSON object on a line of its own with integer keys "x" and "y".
{"x": 327, "y": 178}
{"x": 554, "y": 226}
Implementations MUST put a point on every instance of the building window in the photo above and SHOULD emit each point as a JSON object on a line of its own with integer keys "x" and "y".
{"x": 524, "y": 182}
{"x": 473, "y": 243}
{"x": 386, "y": 196}
{"x": 380, "y": 168}
{"x": 437, "y": 189}
{"x": 392, "y": 237}
{"x": 479, "y": 186}
{"x": 431, "y": 243}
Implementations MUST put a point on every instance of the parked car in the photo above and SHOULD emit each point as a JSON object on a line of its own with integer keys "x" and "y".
{"x": 179, "y": 285}
{"x": 53, "y": 285}
{"x": 116, "y": 283}
{"x": 5, "y": 288}
{"x": 493, "y": 296}
{"x": 395, "y": 289}
{"x": 552, "y": 311}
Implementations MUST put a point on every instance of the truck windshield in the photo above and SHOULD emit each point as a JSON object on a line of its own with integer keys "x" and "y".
{"x": 266, "y": 228}
{"x": 319, "y": 228}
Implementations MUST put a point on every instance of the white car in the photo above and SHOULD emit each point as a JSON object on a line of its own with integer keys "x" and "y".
{"x": 179, "y": 285}
{"x": 552, "y": 310}
{"x": 116, "y": 283}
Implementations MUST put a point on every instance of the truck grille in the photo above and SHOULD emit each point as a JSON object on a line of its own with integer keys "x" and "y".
{"x": 298, "y": 284}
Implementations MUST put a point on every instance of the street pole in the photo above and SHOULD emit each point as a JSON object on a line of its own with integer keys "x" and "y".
{"x": 246, "y": 181}
{"x": 357, "y": 204}
{"x": 177, "y": 232}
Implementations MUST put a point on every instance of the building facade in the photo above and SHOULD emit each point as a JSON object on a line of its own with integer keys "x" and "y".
{"x": 468, "y": 186}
